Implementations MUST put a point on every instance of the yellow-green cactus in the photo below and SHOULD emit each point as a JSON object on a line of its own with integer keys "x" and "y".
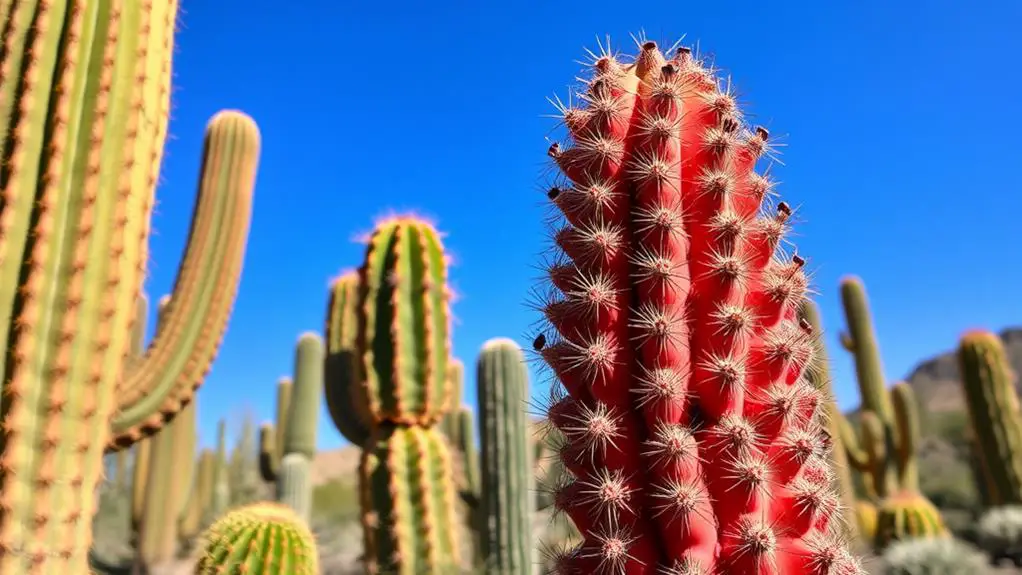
{"x": 84, "y": 106}
{"x": 259, "y": 539}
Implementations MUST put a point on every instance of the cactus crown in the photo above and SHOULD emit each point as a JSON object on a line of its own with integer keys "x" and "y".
{"x": 694, "y": 440}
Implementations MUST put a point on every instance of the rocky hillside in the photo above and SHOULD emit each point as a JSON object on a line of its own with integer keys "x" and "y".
{"x": 936, "y": 381}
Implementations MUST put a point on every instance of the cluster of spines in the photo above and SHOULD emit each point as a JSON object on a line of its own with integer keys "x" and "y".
{"x": 691, "y": 434}
{"x": 988, "y": 383}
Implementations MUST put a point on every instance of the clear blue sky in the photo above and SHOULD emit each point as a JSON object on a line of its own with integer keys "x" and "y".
{"x": 902, "y": 125}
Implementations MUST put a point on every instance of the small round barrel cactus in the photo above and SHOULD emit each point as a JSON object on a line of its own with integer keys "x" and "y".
{"x": 694, "y": 440}
{"x": 260, "y": 539}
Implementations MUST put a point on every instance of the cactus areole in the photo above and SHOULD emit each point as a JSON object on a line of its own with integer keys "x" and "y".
{"x": 694, "y": 441}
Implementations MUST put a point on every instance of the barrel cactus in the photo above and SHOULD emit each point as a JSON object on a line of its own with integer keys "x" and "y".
{"x": 694, "y": 439}
{"x": 259, "y": 539}
{"x": 84, "y": 106}
{"x": 996, "y": 423}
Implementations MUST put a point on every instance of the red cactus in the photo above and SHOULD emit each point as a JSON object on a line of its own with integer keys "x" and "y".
{"x": 695, "y": 444}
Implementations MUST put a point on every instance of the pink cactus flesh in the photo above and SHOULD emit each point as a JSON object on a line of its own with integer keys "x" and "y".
{"x": 695, "y": 443}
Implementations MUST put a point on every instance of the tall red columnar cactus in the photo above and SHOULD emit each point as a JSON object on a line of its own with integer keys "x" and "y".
{"x": 694, "y": 441}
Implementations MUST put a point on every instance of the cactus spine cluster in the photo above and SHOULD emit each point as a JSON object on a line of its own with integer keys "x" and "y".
{"x": 397, "y": 384}
{"x": 889, "y": 422}
{"x": 259, "y": 539}
{"x": 989, "y": 385}
{"x": 84, "y": 101}
{"x": 286, "y": 450}
{"x": 695, "y": 442}
{"x": 507, "y": 484}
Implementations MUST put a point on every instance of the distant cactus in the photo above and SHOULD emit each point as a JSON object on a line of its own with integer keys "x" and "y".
{"x": 271, "y": 435}
{"x": 294, "y": 483}
{"x": 171, "y": 464}
{"x": 932, "y": 557}
{"x": 507, "y": 478}
{"x": 84, "y": 108}
{"x": 695, "y": 441}
{"x": 200, "y": 496}
{"x": 819, "y": 375}
{"x": 889, "y": 423}
{"x": 221, "y": 498}
{"x": 996, "y": 423}
{"x": 259, "y": 539}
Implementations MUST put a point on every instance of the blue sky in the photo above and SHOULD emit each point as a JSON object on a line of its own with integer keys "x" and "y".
{"x": 901, "y": 147}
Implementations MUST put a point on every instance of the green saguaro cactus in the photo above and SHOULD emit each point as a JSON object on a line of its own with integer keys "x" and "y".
{"x": 400, "y": 361}
{"x": 506, "y": 478}
{"x": 294, "y": 484}
{"x": 996, "y": 424}
{"x": 271, "y": 435}
{"x": 84, "y": 101}
{"x": 287, "y": 448}
{"x": 890, "y": 433}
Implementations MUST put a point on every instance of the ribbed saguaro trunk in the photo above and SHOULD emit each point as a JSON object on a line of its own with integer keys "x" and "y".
{"x": 507, "y": 480}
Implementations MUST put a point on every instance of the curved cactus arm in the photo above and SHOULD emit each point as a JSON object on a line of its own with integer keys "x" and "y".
{"x": 906, "y": 418}
{"x": 874, "y": 442}
{"x": 271, "y": 436}
{"x": 350, "y": 417}
{"x": 177, "y": 360}
{"x": 269, "y": 462}
{"x": 858, "y": 458}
